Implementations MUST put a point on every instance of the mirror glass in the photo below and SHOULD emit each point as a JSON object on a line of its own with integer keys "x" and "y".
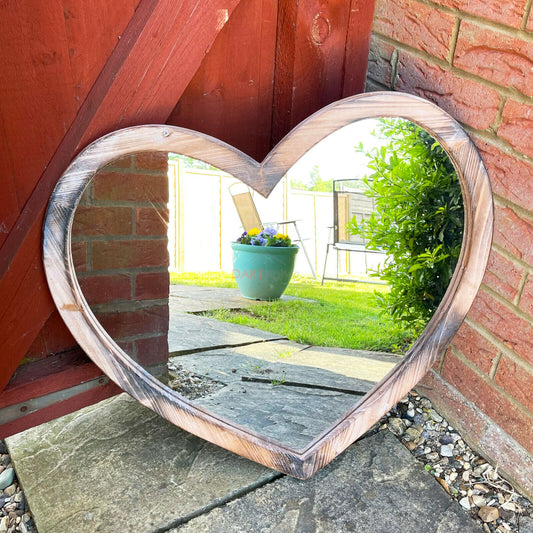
{"x": 151, "y": 244}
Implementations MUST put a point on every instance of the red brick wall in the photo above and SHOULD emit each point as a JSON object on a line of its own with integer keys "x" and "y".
{"x": 475, "y": 60}
{"x": 121, "y": 257}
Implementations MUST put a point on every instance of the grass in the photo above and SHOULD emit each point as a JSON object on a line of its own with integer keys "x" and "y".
{"x": 341, "y": 315}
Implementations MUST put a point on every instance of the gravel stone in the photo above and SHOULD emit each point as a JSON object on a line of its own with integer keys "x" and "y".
{"x": 446, "y": 450}
{"x": 6, "y": 478}
{"x": 468, "y": 478}
{"x": 488, "y": 514}
{"x": 397, "y": 426}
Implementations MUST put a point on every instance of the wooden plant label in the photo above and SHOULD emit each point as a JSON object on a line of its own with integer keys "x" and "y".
{"x": 263, "y": 177}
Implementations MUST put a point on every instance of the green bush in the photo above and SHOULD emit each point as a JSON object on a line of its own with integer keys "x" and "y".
{"x": 418, "y": 221}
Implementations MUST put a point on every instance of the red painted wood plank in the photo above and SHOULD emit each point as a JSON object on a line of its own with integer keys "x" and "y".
{"x": 87, "y": 54}
{"x": 158, "y": 54}
{"x": 22, "y": 319}
{"x": 53, "y": 338}
{"x": 357, "y": 46}
{"x": 230, "y": 97}
{"x": 42, "y": 377}
{"x": 50, "y": 59}
{"x": 59, "y": 409}
{"x": 310, "y": 58}
{"x": 9, "y": 206}
{"x": 36, "y": 94}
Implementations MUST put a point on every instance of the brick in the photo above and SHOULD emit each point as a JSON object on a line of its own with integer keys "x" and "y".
{"x": 151, "y": 221}
{"x": 156, "y": 161}
{"x": 152, "y": 285}
{"x": 509, "y": 177}
{"x": 109, "y": 255}
{"x": 79, "y": 256}
{"x": 526, "y": 299}
{"x": 135, "y": 323}
{"x": 500, "y": 320}
{"x": 373, "y": 86}
{"x": 414, "y": 24}
{"x": 128, "y": 347}
{"x": 513, "y": 233}
{"x": 495, "y": 56}
{"x": 96, "y": 220}
{"x": 86, "y": 197}
{"x": 517, "y": 126}
{"x": 516, "y": 380}
{"x": 475, "y": 347}
{"x": 379, "y": 61}
{"x": 503, "y": 276}
{"x": 467, "y": 101}
{"x": 152, "y": 350}
{"x": 105, "y": 288}
{"x": 115, "y": 186}
{"x": 489, "y": 400}
{"x": 509, "y": 12}
{"x": 124, "y": 162}
{"x": 529, "y": 25}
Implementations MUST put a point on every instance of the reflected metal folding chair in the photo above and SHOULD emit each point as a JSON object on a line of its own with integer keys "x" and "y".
{"x": 349, "y": 202}
{"x": 245, "y": 205}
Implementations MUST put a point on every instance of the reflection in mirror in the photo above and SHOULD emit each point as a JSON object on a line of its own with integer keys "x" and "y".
{"x": 119, "y": 244}
{"x": 288, "y": 376}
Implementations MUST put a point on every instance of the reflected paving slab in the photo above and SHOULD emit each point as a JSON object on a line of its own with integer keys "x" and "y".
{"x": 286, "y": 391}
{"x": 190, "y": 333}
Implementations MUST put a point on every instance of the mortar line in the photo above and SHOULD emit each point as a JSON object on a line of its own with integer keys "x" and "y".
{"x": 453, "y": 40}
{"x": 510, "y": 92}
{"x": 527, "y": 13}
{"x": 495, "y": 365}
{"x": 520, "y": 289}
{"x": 480, "y": 20}
{"x": 487, "y": 379}
{"x": 505, "y": 350}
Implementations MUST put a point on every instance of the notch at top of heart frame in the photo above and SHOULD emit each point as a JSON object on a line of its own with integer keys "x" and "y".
{"x": 263, "y": 177}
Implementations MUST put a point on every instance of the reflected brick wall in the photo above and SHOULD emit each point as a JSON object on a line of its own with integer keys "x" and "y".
{"x": 120, "y": 254}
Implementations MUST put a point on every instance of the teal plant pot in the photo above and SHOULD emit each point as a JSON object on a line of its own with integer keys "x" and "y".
{"x": 263, "y": 272}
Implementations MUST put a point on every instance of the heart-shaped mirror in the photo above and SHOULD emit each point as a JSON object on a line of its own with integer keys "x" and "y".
{"x": 135, "y": 213}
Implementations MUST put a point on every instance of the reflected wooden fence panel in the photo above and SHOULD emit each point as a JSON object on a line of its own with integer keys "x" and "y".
{"x": 203, "y": 222}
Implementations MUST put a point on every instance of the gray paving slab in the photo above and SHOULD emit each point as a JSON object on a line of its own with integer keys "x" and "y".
{"x": 283, "y": 360}
{"x": 376, "y": 486}
{"x": 118, "y": 467}
{"x": 190, "y": 333}
{"x": 284, "y": 390}
{"x": 194, "y": 298}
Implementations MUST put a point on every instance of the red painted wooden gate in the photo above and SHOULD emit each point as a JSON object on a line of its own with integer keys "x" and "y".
{"x": 244, "y": 71}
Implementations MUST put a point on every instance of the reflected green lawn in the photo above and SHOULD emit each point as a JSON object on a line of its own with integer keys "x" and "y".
{"x": 335, "y": 314}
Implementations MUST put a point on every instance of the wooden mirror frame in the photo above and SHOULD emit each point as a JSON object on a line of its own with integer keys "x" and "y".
{"x": 263, "y": 177}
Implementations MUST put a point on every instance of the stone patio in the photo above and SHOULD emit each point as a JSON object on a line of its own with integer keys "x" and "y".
{"x": 117, "y": 466}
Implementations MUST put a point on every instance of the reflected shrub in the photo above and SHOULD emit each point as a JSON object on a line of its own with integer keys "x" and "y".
{"x": 418, "y": 221}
